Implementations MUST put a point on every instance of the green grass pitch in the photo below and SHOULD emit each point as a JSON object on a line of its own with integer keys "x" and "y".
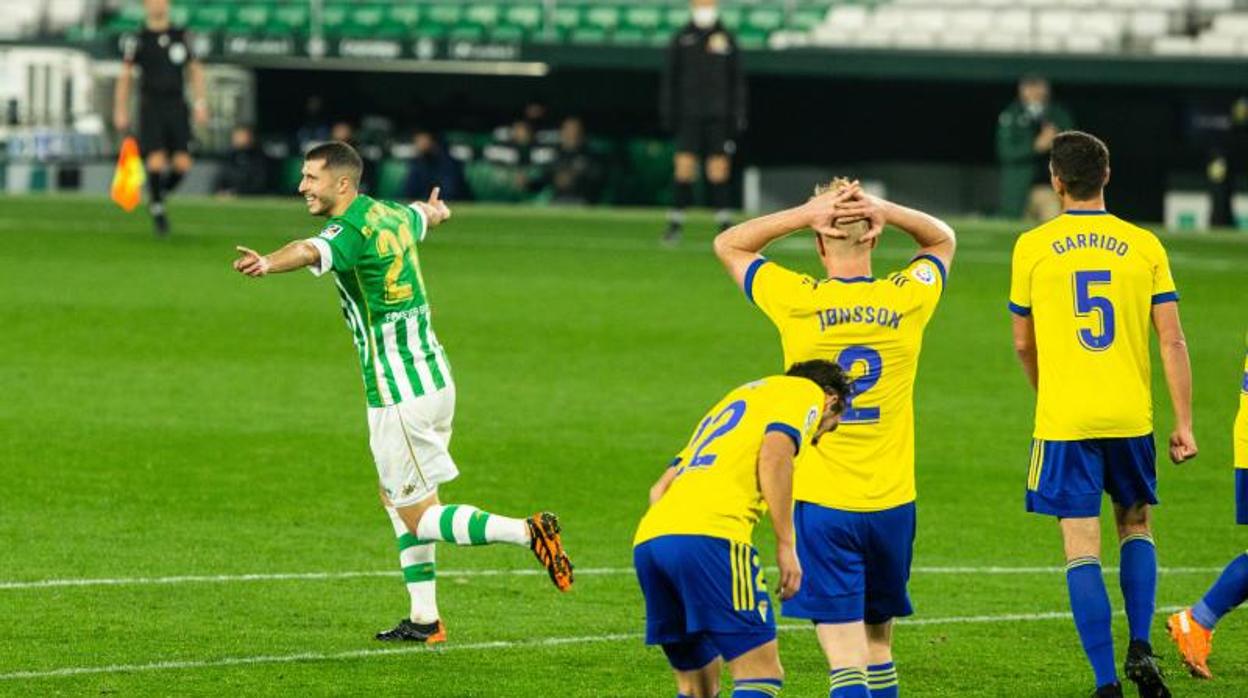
{"x": 163, "y": 417}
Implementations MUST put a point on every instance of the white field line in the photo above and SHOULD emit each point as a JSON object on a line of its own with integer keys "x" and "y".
{"x": 451, "y": 574}
{"x": 471, "y": 647}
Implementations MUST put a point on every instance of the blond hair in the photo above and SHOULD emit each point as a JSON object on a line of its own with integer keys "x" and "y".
{"x": 855, "y": 228}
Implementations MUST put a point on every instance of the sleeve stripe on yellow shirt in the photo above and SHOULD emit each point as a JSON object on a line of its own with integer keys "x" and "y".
{"x": 1168, "y": 297}
{"x": 940, "y": 267}
{"x": 747, "y": 284}
{"x": 1019, "y": 310}
{"x": 787, "y": 430}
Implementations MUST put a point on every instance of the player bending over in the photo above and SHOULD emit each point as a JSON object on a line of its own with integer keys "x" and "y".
{"x": 1084, "y": 289}
{"x": 1192, "y": 628}
{"x": 706, "y": 598}
{"x": 855, "y": 492}
{"x": 370, "y": 246}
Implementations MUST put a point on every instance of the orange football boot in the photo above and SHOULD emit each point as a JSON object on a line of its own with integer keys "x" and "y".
{"x": 1194, "y": 641}
{"x": 546, "y": 544}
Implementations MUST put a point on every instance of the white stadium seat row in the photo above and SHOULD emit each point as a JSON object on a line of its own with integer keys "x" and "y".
{"x": 1047, "y": 26}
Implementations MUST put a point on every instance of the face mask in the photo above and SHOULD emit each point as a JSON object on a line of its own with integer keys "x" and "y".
{"x": 1035, "y": 109}
{"x": 705, "y": 17}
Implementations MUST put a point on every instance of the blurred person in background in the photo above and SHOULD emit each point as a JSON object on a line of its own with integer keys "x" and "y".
{"x": 245, "y": 170}
{"x": 315, "y": 127}
{"x": 434, "y": 168}
{"x": 576, "y": 174}
{"x": 702, "y": 102}
{"x": 1226, "y": 162}
{"x": 166, "y": 58}
{"x": 343, "y": 131}
{"x": 512, "y": 155}
{"x": 1025, "y": 131}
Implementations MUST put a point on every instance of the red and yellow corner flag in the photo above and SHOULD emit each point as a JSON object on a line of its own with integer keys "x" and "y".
{"x": 129, "y": 176}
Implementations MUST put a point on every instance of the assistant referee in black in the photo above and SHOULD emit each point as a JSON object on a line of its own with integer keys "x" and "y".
{"x": 166, "y": 58}
{"x": 703, "y": 102}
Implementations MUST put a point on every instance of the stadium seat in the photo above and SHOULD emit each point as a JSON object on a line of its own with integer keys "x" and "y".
{"x": 527, "y": 18}
{"x": 805, "y": 18}
{"x": 764, "y": 19}
{"x": 208, "y": 18}
{"x": 368, "y": 21}
{"x": 289, "y": 19}
{"x": 250, "y": 19}
{"x": 566, "y": 19}
{"x": 334, "y": 18}
{"x": 676, "y": 17}
{"x": 643, "y": 18}
{"x": 604, "y": 18}
{"x": 405, "y": 16}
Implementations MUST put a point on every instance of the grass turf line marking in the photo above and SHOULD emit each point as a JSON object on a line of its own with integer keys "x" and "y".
{"x": 451, "y": 574}
{"x": 476, "y": 646}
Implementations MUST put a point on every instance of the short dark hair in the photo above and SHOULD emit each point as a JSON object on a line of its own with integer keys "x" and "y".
{"x": 1081, "y": 161}
{"x": 827, "y": 375}
{"x": 338, "y": 156}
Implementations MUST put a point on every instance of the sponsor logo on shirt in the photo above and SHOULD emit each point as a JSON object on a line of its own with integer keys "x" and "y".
{"x": 924, "y": 274}
{"x": 331, "y": 231}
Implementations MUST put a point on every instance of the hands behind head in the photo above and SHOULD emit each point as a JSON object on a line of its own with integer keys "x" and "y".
{"x": 846, "y": 204}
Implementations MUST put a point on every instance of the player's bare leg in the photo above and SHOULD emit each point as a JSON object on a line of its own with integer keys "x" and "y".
{"x": 464, "y": 524}
{"x": 1138, "y": 579}
{"x": 718, "y": 179}
{"x": 881, "y": 672}
{"x": 157, "y": 162}
{"x": 685, "y": 168}
{"x": 1089, "y": 602}
{"x": 845, "y": 647}
{"x": 182, "y": 164}
{"x": 757, "y": 672}
{"x": 700, "y": 683}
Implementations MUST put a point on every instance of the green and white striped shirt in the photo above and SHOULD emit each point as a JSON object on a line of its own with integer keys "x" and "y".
{"x": 371, "y": 248}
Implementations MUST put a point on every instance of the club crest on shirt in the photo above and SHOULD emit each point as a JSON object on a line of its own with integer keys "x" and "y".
{"x": 718, "y": 43}
{"x": 177, "y": 54}
{"x": 923, "y": 274}
{"x": 810, "y": 418}
{"x": 331, "y": 231}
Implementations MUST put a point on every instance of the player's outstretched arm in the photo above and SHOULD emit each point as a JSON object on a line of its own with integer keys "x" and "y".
{"x": 435, "y": 209}
{"x": 295, "y": 255}
{"x": 1178, "y": 368}
{"x": 775, "y": 478}
{"x": 738, "y": 246}
{"x": 1025, "y": 347}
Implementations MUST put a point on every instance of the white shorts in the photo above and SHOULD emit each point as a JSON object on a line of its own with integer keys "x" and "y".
{"x": 410, "y": 443}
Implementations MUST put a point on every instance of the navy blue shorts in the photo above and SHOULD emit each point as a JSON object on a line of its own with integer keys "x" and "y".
{"x": 1241, "y": 496}
{"x": 855, "y": 565}
{"x": 705, "y": 598}
{"x": 1067, "y": 478}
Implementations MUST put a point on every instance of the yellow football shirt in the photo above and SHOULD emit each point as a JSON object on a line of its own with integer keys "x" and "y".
{"x": 1090, "y": 280}
{"x": 1241, "y": 422}
{"x": 874, "y": 329}
{"x": 716, "y": 492}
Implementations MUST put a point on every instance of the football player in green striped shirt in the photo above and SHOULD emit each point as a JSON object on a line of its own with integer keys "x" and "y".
{"x": 370, "y": 246}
